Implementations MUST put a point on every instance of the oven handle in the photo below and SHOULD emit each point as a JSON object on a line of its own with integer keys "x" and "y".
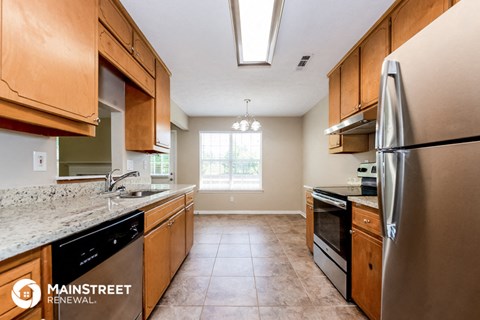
{"x": 334, "y": 202}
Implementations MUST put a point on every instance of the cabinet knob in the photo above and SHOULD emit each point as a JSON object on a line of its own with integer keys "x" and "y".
{"x": 98, "y": 120}
{"x": 366, "y": 220}
{"x": 352, "y": 231}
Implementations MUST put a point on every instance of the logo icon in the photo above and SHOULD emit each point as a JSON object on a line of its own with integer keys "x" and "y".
{"x": 26, "y": 299}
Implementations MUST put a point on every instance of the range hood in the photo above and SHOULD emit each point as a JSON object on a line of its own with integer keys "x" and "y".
{"x": 360, "y": 123}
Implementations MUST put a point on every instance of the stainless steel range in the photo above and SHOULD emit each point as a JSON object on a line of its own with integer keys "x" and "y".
{"x": 332, "y": 225}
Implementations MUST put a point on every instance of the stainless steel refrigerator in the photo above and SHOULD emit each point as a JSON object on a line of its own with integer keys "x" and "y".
{"x": 428, "y": 153}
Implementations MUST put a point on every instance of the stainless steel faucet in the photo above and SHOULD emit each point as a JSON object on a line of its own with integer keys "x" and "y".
{"x": 110, "y": 183}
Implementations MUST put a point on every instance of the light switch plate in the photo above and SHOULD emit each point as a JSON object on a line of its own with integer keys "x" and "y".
{"x": 39, "y": 161}
{"x": 129, "y": 165}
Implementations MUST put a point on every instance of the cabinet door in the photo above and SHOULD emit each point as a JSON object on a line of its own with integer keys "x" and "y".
{"x": 28, "y": 270}
{"x": 177, "y": 241}
{"x": 309, "y": 229}
{"x": 35, "y": 314}
{"x": 367, "y": 273}
{"x": 412, "y": 16}
{"x": 373, "y": 50}
{"x": 189, "y": 228}
{"x": 157, "y": 266}
{"x": 334, "y": 106}
{"x": 49, "y": 58}
{"x": 162, "y": 107}
{"x": 143, "y": 54}
{"x": 112, "y": 50}
{"x": 350, "y": 85}
{"x": 115, "y": 21}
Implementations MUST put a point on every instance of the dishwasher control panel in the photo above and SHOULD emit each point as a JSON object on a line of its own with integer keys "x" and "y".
{"x": 77, "y": 254}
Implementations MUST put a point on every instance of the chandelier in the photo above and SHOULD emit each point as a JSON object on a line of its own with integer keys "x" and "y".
{"x": 247, "y": 122}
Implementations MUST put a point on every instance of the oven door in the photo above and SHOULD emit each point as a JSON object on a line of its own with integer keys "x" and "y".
{"x": 332, "y": 221}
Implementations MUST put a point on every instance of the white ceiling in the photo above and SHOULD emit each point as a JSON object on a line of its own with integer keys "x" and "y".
{"x": 195, "y": 39}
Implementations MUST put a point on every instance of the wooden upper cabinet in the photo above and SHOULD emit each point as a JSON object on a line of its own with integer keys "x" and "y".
{"x": 411, "y": 16}
{"x": 115, "y": 21}
{"x": 111, "y": 50}
{"x": 162, "y": 108}
{"x": 49, "y": 59}
{"x": 373, "y": 50}
{"x": 143, "y": 54}
{"x": 350, "y": 85}
{"x": 334, "y": 106}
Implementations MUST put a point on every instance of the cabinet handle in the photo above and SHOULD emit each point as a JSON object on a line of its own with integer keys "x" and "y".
{"x": 366, "y": 220}
{"x": 359, "y": 106}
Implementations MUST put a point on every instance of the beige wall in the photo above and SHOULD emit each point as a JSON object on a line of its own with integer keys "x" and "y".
{"x": 16, "y": 162}
{"x": 319, "y": 167}
{"x": 282, "y": 165}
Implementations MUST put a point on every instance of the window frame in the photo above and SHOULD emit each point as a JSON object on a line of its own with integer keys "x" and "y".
{"x": 222, "y": 190}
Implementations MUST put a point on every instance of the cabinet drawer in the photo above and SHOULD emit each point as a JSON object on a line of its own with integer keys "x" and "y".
{"x": 188, "y": 198}
{"x": 111, "y": 50}
{"x": 28, "y": 270}
{"x": 309, "y": 199}
{"x": 157, "y": 214}
{"x": 116, "y": 22}
{"x": 366, "y": 218}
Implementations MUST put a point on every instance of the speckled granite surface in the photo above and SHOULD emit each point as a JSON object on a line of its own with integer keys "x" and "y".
{"x": 367, "y": 201}
{"x": 25, "y": 225}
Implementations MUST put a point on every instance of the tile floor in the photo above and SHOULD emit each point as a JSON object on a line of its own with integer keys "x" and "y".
{"x": 251, "y": 267}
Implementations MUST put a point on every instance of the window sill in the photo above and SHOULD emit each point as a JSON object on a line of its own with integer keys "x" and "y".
{"x": 163, "y": 176}
{"x": 230, "y": 191}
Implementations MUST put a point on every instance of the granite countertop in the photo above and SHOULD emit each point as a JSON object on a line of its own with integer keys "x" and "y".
{"x": 30, "y": 226}
{"x": 367, "y": 201}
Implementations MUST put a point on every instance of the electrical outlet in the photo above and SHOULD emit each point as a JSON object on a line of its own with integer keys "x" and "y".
{"x": 145, "y": 164}
{"x": 39, "y": 161}
{"x": 232, "y": 199}
{"x": 129, "y": 165}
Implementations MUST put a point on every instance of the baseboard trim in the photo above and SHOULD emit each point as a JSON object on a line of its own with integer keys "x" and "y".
{"x": 250, "y": 212}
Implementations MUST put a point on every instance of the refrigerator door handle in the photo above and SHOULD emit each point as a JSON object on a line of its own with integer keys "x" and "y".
{"x": 390, "y": 114}
{"x": 392, "y": 168}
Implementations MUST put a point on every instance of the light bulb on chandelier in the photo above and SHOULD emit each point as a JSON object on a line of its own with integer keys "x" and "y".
{"x": 246, "y": 122}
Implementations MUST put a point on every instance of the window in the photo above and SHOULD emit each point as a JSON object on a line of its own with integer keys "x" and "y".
{"x": 160, "y": 164}
{"x": 230, "y": 160}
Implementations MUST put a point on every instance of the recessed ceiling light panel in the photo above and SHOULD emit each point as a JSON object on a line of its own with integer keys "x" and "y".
{"x": 256, "y": 24}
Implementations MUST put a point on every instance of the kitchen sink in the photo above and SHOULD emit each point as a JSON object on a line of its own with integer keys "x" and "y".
{"x": 140, "y": 193}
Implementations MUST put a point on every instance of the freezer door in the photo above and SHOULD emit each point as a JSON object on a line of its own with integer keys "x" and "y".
{"x": 429, "y": 88}
{"x": 431, "y": 265}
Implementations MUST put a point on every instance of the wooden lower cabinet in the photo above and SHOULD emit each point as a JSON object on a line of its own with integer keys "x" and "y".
{"x": 367, "y": 272}
{"x": 34, "y": 265}
{"x": 367, "y": 259}
{"x": 309, "y": 221}
{"x": 309, "y": 231}
{"x": 189, "y": 223}
{"x": 169, "y": 230}
{"x": 157, "y": 266}
{"x": 177, "y": 241}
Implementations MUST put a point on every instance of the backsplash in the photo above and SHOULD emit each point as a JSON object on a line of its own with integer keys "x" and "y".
{"x": 29, "y": 195}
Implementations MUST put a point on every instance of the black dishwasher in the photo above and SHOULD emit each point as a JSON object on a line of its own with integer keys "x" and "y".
{"x": 97, "y": 273}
